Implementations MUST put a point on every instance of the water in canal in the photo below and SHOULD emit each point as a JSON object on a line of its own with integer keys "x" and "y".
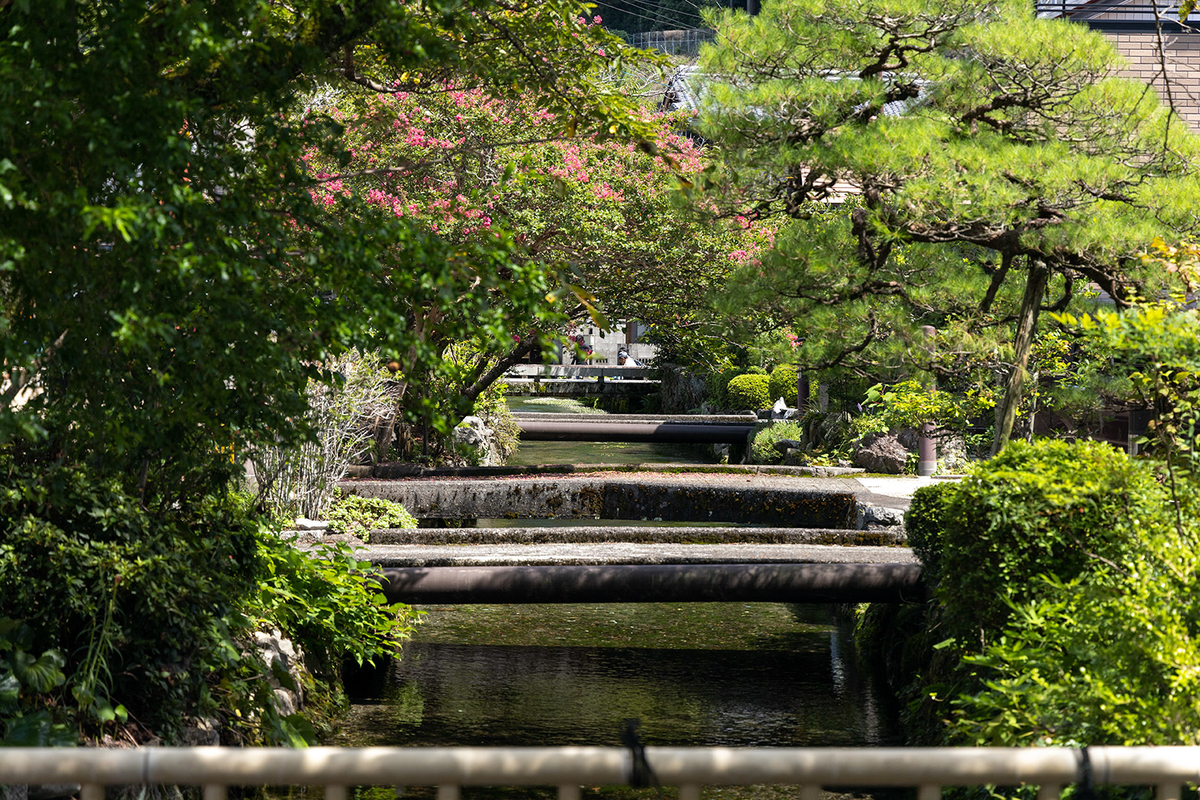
{"x": 694, "y": 674}
{"x": 597, "y": 452}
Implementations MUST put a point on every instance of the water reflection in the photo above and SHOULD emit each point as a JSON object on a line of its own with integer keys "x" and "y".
{"x": 597, "y": 452}
{"x": 609, "y": 453}
{"x": 780, "y": 681}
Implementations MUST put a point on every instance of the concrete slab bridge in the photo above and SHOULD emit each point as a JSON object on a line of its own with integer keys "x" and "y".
{"x": 822, "y": 542}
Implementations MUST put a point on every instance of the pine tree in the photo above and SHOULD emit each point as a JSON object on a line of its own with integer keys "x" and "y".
{"x": 991, "y": 165}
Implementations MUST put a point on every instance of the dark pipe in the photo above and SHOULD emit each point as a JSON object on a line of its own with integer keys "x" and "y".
{"x": 658, "y": 583}
{"x": 539, "y": 431}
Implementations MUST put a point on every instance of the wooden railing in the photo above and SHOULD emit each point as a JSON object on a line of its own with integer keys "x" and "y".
{"x": 568, "y": 768}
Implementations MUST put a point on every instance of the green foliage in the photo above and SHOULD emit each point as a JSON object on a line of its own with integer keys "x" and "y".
{"x": 1067, "y": 581}
{"x": 462, "y": 364}
{"x": 835, "y": 431}
{"x": 783, "y": 383}
{"x": 1110, "y": 657}
{"x": 506, "y": 433}
{"x": 924, "y": 523}
{"x": 1158, "y": 347}
{"x": 1050, "y": 508}
{"x": 23, "y": 676}
{"x": 299, "y": 478}
{"x": 904, "y": 99}
{"x": 716, "y": 383}
{"x": 127, "y": 607}
{"x": 177, "y": 295}
{"x": 864, "y": 424}
{"x": 130, "y": 598}
{"x": 749, "y": 391}
{"x": 171, "y": 279}
{"x": 762, "y": 448}
{"x": 908, "y": 404}
{"x": 603, "y": 220}
{"x": 350, "y": 513}
{"x": 328, "y": 602}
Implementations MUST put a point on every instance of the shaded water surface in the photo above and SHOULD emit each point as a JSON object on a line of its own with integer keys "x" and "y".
{"x": 597, "y": 452}
{"x": 754, "y": 674}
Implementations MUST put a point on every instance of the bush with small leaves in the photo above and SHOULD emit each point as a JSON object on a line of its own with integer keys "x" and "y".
{"x": 1043, "y": 508}
{"x": 783, "y": 383}
{"x": 749, "y": 391}
{"x": 762, "y": 448}
{"x": 924, "y": 522}
{"x": 361, "y": 515}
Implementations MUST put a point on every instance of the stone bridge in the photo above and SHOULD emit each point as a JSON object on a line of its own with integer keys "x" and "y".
{"x": 751, "y": 537}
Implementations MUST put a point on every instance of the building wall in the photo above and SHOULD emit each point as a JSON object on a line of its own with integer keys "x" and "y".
{"x": 1182, "y": 67}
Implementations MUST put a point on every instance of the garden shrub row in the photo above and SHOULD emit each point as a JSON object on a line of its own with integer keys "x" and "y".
{"x": 754, "y": 388}
{"x": 1065, "y": 609}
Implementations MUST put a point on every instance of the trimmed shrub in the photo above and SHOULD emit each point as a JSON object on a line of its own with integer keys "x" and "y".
{"x": 749, "y": 391}
{"x": 924, "y": 522}
{"x": 783, "y": 383}
{"x": 1067, "y": 580}
{"x": 1048, "y": 508}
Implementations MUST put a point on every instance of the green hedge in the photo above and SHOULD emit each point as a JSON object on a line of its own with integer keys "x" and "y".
{"x": 924, "y": 522}
{"x": 1069, "y": 574}
{"x": 749, "y": 391}
{"x": 1065, "y": 604}
{"x": 1049, "y": 508}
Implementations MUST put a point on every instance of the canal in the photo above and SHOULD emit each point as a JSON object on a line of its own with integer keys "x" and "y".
{"x": 702, "y": 674}
{"x": 597, "y": 452}
{"x": 695, "y": 674}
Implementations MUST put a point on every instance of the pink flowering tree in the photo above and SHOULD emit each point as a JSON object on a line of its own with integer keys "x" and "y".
{"x": 594, "y": 219}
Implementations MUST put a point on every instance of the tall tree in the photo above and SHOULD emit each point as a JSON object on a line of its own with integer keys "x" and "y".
{"x": 985, "y": 165}
{"x": 167, "y": 278}
{"x": 597, "y": 219}
{"x": 168, "y": 284}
